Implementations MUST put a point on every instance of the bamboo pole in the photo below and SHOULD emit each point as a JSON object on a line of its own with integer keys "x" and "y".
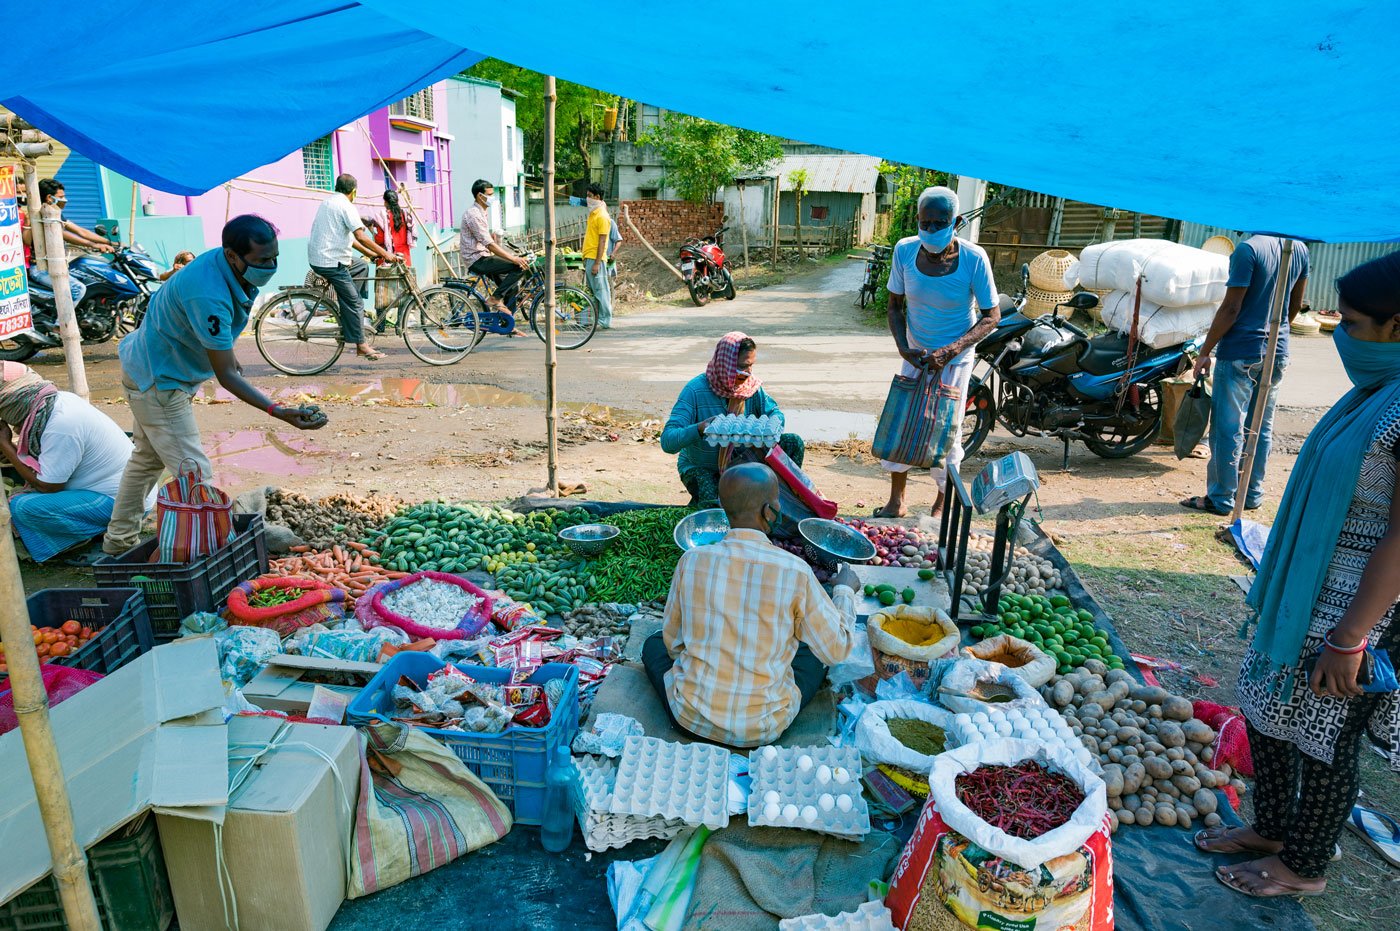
{"x": 551, "y": 397}
{"x": 31, "y": 193}
{"x": 31, "y": 703}
{"x": 405, "y": 198}
{"x": 1277, "y": 310}
{"x": 131, "y": 226}
{"x": 52, "y": 224}
{"x": 627, "y": 215}
{"x": 777, "y": 199}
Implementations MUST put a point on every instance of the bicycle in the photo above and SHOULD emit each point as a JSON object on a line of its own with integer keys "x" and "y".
{"x": 298, "y": 332}
{"x": 575, "y": 310}
{"x": 877, "y": 266}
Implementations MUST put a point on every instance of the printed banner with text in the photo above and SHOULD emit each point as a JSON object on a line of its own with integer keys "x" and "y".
{"x": 14, "y": 282}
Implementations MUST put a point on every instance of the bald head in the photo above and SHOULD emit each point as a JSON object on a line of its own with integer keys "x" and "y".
{"x": 748, "y": 493}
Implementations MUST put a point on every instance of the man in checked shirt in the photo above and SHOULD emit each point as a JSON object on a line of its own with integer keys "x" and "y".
{"x": 748, "y": 633}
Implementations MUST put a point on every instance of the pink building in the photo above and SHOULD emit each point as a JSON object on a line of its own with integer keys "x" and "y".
{"x": 410, "y": 136}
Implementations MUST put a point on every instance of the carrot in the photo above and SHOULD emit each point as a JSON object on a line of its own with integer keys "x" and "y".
{"x": 299, "y": 548}
{"x": 396, "y": 575}
{"x": 357, "y": 545}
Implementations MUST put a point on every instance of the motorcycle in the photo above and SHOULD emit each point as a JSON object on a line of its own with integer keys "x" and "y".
{"x": 705, "y": 270}
{"x": 1047, "y": 377}
{"x": 115, "y": 293}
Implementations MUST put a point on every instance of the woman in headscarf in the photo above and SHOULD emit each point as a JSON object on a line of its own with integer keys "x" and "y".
{"x": 728, "y": 386}
{"x": 70, "y": 457}
{"x": 1325, "y": 598}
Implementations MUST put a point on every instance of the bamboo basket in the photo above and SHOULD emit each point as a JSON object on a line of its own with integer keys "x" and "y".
{"x": 1328, "y": 322}
{"x": 1048, "y": 270}
{"x": 1040, "y": 302}
{"x": 1305, "y": 325}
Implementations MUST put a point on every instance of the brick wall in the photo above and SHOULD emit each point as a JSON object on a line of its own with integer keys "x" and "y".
{"x": 670, "y": 221}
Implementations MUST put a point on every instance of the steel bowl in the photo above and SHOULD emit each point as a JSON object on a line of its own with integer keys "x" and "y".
{"x": 701, "y": 528}
{"x": 589, "y": 540}
{"x": 834, "y": 542}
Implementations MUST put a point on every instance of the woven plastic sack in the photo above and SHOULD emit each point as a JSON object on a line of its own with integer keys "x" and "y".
{"x": 1158, "y": 326}
{"x": 319, "y": 603}
{"x": 420, "y": 808}
{"x": 1192, "y": 419}
{"x": 1172, "y": 274}
{"x": 377, "y": 614}
{"x": 1020, "y": 657}
{"x": 60, "y": 682}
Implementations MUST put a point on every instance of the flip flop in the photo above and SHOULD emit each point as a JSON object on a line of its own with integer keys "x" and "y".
{"x": 374, "y": 355}
{"x": 1379, "y": 830}
{"x": 1201, "y": 503}
{"x": 1227, "y": 879}
{"x": 880, "y": 512}
{"x": 1206, "y": 835}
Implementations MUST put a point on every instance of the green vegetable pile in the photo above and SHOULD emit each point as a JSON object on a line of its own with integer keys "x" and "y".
{"x": 638, "y": 567}
{"x": 1053, "y": 625}
{"x": 887, "y": 594}
{"x": 521, "y": 551}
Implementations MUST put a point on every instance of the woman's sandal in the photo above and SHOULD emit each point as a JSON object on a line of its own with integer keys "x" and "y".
{"x": 1227, "y": 875}
{"x": 1228, "y": 844}
{"x": 1202, "y": 503}
{"x": 374, "y": 355}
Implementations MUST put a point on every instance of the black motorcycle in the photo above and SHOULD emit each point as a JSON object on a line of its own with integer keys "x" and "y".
{"x": 1047, "y": 377}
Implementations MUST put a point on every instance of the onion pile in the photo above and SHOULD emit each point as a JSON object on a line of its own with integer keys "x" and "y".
{"x": 898, "y": 546}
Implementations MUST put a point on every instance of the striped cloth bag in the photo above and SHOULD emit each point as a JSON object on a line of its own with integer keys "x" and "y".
{"x": 193, "y": 518}
{"x": 906, "y": 430}
{"x": 420, "y": 807}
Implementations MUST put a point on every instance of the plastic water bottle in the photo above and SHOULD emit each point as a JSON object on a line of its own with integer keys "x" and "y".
{"x": 947, "y": 418}
{"x": 557, "y": 825}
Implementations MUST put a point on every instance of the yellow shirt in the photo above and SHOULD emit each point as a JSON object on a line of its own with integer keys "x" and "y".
{"x": 736, "y": 613}
{"x": 599, "y": 225}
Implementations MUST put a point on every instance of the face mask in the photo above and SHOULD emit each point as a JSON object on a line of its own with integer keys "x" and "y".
{"x": 937, "y": 240}
{"x": 488, "y": 200}
{"x": 258, "y": 275}
{"x": 1368, "y": 365}
{"x": 594, "y": 203}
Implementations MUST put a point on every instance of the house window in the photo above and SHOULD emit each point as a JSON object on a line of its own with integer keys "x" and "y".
{"x": 515, "y": 195}
{"x": 646, "y": 193}
{"x": 510, "y": 142}
{"x": 420, "y": 173}
{"x": 818, "y": 213}
{"x": 318, "y": 164}
{"x": 418, "y": 106}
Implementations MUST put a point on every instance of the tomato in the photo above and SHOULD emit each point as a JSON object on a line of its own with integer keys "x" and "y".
{"x": 38, "y": 638}
{"x": 71, "y": 627}
{"x": 85, "y": 633}
{"x": 59, "y": 649}
{"x": 52, "y": 636}
{"x": 42, "y": 649}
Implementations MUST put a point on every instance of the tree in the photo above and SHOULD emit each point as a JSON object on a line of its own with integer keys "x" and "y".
{"x": 701, "y": 157}
{"x": 578, "y": 114}
{"x": 797, "y": 180}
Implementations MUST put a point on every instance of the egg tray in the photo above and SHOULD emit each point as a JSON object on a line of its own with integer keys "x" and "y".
{"x": 602, "y": 830}
{"x": 872, "y": 916}
{"x": 1040, "y": 724}
{"x": 743, "y": 430}
{"x": 798, "y": 789}
{"x": 660, "y": 779}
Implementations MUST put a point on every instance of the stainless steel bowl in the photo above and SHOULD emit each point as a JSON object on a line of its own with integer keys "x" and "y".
{"x": 701, "y": 528}
{"x": 589, "y": 540}
{"x": 835, "y": 542}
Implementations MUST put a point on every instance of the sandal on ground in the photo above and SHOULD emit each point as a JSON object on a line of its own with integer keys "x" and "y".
{"x": 1203, "y": 840}
{"x": 883, "y": 511}
{"x": 373, "y": 355}
{"x": 1233, "y": 878}
{"x": 1202, "y": 503}
{"x": 1379, "y": 830}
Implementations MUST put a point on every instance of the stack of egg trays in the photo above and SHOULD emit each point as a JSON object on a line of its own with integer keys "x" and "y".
{"x": 872, "y": 916}
{"x": 744, "y": 430}
{"x": 1037, "y": 723}
{"x": 686, "y": 782}
{"x": 778, "y": 769}
{"x": 601, "y": 829}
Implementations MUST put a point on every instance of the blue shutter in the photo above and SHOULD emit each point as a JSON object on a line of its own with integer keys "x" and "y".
{"x": 81, "y": 178}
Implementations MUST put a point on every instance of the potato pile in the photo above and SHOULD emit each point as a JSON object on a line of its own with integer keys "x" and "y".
{"x": 331, "y": 520}
{"x": 1155, "y": 755}
{"x": 1030, "y": 575}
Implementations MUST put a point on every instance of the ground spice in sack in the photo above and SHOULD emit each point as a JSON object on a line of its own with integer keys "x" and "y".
{"x": 920, "y": 736}
{"x": 913, "y": 632}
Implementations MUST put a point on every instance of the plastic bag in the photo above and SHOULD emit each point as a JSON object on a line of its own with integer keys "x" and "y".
{"x": 243, "y": 651}
{"x": 878, "y": 745}
{"x": 1021, "y": 657}
{"x": 859, "y": 664}
{"x": 1192, "y": 419}
{"x": 60, "y": 682}
{"x": 361, "y": 646}
{"x": 202, "y": 622}
{"x": 971, "y": 678}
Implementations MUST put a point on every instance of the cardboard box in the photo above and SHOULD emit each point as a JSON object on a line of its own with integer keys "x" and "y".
{"x": 150, "y": 735}
{"x": 287, "y": 682}
{"x": 285, "y": 835}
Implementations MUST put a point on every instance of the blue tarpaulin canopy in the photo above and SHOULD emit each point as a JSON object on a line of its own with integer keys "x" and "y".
{"x": 1275, "y": 115}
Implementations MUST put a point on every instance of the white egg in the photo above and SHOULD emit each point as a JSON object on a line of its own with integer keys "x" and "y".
{"x": 1004, "y": 728}
{"x": 790, "y": 812}
{"x": 823, "y": 774}
{"x": 771, "y": 811}
{"x": 771, "y": 797}
{"x": 843, "y": 802}
{"x": 804, "y": 763}
{"x": 769, "y": 754}
{"x": 962, "y": 718}
{"x": 840, "y": 775}
{"x": 826, "y": 802}
{"x": 980, "y": 717}
{"x": 809, "y": 814}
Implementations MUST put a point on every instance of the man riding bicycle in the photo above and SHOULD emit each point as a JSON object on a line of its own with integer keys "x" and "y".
{"x": 337, "y": 233}
{"x": 481, "y": 250}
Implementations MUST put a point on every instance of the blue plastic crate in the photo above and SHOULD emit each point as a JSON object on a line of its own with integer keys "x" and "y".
{"x": 512, "y": 762}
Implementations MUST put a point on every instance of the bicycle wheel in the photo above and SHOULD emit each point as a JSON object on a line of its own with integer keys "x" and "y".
{"x": 440, "y": 327}
{"x": 299, "y": 333}
{"x": 575, "y": 317}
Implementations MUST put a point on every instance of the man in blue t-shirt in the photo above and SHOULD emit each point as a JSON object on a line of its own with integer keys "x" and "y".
{"x": 186, "y": 338}
{"x": 1240, "y": 336}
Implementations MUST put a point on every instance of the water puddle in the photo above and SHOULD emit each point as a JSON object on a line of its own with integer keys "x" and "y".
{"x": 818, "y": 426}
{"x": 263, "y": 452}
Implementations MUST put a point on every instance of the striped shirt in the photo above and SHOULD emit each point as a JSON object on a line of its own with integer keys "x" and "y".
{"x": 735, "y": 615}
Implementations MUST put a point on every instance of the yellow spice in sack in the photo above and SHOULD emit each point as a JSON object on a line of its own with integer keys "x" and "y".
{"x": 913, "y": 632}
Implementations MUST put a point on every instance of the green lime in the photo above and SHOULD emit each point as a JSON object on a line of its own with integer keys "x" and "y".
{"x": 907, "y": 595}
{"x": 1064, "y": 669}
{"x": 1085, "y": 616}
{"x": 1063, "y": 657}
{"x": 869, "y": 589}
{"x": 884, "y": 587}
{"x": 887, "y": 598}
{"x": 1060, "y": 601}
{"x": 925, "y": 574}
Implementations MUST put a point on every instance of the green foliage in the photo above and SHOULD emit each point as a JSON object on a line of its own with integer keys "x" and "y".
{"x": 701, "y": 157}
{"x": 909, "y": 182}
{"x": 797, "y": 180}
{"x": 576, "y": 115}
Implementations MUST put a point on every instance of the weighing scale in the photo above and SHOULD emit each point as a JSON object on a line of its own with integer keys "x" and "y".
{"x": 1005, "y": 486}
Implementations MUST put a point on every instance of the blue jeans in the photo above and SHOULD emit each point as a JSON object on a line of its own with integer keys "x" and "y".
{"x": 351, "y": 284}
{"x": 601, "y": 287}
{"x": 1233, "y": 392}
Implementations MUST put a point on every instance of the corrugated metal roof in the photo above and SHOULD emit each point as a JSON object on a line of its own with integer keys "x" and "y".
{"x": 845, "y": 174}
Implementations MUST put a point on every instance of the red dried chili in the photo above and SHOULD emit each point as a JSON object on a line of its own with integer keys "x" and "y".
{"x": 1025, "y": 800}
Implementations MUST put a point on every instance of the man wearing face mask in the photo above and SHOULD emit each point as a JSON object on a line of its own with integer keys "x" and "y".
{"x": 942, "y": 301}
{"x": 337, "y": 233}
{"x": 186, "y": 338}
{"x": 748, "y": 632}
{"x": 596, "y": 238}
{"x": 481, "y": 252}
{"x": 54, "y": 195}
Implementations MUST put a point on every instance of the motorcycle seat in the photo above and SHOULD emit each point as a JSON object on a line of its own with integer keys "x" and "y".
{"x": 1104, "y": 354}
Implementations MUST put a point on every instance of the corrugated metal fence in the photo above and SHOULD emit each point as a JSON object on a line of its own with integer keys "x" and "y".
{"x": 1327, "y": 261}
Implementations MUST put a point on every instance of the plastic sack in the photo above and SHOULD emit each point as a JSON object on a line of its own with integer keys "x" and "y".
{"x": 243, "y": 651}
{"x": 60, "y": 682}
{"x": 1173, "y": 275}
{"x": 1021, "y": 657}
{"x": 1158, "y": 326}
{"x": 1192, "y": 419}
{"x": 360, "y": 646}
{"x": 890, "y": 631}
{"x": 319, "y": 603}
{"x": 969, "y": 678}
{"x": 378, "y": 614}
{"x": 958, "y": 868}
{"x": 878, "y": 745}
{"x": 413, "y": 789}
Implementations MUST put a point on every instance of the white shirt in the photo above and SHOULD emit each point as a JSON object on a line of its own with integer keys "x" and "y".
{"x": 941, "y": 309}
{"x": 81, "y": 448}
{"x": 328, "y": 244}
